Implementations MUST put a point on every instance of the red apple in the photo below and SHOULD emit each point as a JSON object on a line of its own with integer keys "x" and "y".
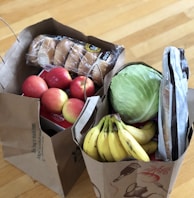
{"x": 53, "y": 99}
{"x": 58, "y": 77}
{"x": 82, "y": 86}
{"x": 72, "y": 108}
{"x": 34, "y": 86}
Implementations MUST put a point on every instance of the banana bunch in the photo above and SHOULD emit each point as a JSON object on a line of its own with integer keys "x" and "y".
{"x": 112, "y": 140}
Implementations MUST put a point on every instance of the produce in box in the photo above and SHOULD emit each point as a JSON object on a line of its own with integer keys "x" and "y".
{"x": 62, "y": 95}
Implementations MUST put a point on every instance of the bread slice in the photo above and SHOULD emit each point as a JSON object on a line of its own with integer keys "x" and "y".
{"x": 62, "y": 50}
{"x": 46, "y": 52}
{"x": 74, "y": 57}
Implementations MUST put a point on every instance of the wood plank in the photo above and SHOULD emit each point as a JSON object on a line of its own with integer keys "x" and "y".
{"x": 144, "y": 28}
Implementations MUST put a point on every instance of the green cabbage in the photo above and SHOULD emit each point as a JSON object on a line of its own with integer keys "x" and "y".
{"x": 134, "y": 93}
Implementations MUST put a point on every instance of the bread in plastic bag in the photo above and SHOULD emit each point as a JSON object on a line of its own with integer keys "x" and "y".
{"x": 76, "y": 56}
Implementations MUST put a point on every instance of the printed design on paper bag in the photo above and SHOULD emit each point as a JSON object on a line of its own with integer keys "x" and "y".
{"x": 97, "y": 191}
{"x": 149, "y": 183}
{"x": 77, "y": 154}
{"x": 127, "y": 171}
{"x": 133, "y": 190}
{"x": 149, "y": 175}
{"x": 152, "y": 175}
{"x": 37, "y": 142}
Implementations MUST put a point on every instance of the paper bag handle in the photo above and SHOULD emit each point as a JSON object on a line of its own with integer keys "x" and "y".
{"x": 10, "y": 28}
{"x": 80, "y": 127}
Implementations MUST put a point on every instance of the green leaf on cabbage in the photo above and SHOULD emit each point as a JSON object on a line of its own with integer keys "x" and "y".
{"x": 134, "y": 93}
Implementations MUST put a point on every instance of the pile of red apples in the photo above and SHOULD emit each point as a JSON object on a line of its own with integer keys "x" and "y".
{"x": 59, "y": 93}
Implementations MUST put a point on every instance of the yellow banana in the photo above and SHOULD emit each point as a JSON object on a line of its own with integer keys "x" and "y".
{"x": 150, "y": 147}
{"x": 116, "y": 148}
{"x": 142, "y": 135}
{"x": 102, "y": 143}
{"x": 90, "y": 140}
{"x": 130, "y": 144}
{"x": 148, "y": 125}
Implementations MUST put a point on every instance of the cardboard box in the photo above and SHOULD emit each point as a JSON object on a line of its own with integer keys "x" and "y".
{"x": 28, "y": 142}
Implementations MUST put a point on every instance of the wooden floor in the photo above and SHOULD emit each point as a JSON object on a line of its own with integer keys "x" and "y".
{"x": 144, "y": 27}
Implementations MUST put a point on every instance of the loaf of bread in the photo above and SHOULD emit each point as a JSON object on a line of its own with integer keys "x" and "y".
{"x": 76, "y": 56}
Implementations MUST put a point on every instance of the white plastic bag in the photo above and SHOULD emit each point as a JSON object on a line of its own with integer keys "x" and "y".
{"x": 173, "y": 112}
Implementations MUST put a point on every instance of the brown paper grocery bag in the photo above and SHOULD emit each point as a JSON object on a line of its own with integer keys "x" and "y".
{"x": 54, "y": 161}
{"x": 154, "y": 179}
{"x": 41, "y": 149}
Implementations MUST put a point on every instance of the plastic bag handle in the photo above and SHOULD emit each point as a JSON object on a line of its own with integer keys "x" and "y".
{"x": 7, "y": 24}
{"x": 87, "y": 76}
{"x": 10, "y": 28}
